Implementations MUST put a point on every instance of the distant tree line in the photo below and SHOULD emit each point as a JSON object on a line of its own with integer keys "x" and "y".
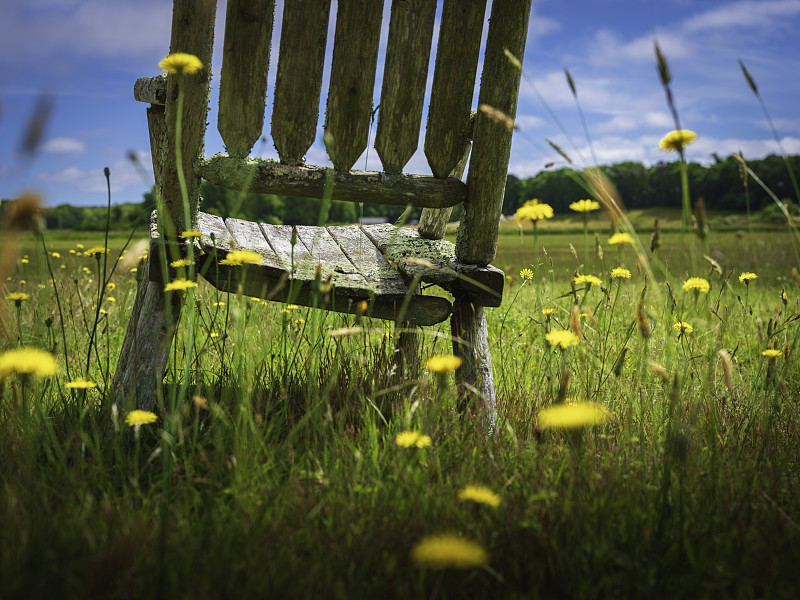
{"x": 720, "y": 184}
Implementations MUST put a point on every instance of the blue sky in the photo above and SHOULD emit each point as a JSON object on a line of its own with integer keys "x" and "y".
{"x": 86, "y": 54}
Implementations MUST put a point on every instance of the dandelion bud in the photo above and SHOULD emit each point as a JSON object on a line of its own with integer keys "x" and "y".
{"x": 617, "y": 369}
{"x": 644, "y": 323}
{"x": 655, "y": 240}
{"x": 701, "y": 229}
{"x": 796, "y": 276}
{"x": 598, "y": 248}
{"x": 760, "y": 325}
{"x": 575, "y": 320}
{"x": 660, "y": 371}
{"x": 727, "y": 369}
{"x": 563, "y": 386}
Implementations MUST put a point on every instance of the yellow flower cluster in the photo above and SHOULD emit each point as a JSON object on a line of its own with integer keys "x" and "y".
{"x": 564, "y": 339}
{"x": 698, "y": 284}
{"x": 584, "y": 206}
{"x": 408, "y": 439}
{"x": 533, "y": 210}
{"x": 27, "y": 361}
{"x": 449, "y": 551}
{"x": 240, "y": 257}
{"x": 443, "y": 363}
{"x": 677, "y": 140}
{"x": 590, "y": 279}
{"x": 572, "y": 416}
{"x": 746, "y": 277}
{"x": 479, "y": 494}
{"x": 620, "y": 238}
{"x": 180, "y": 62}
{"x": 179, "y": 285}
{"x": 682, "y": 327}
{"x": 135, "y": 418}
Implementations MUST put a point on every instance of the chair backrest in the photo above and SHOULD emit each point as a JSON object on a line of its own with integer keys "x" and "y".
{"x": 303, "y": 38}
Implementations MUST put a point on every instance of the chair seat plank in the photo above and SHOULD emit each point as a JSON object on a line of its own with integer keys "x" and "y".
{"x": 369, "y": 260}
{"x": 248, "y": 235}
{"x": 404, "y": 77}
{"x": 243, "y": 81}
{"x": 355, "y": 56}
{"x": 299, "y": 80}
{"x": 434, "y": 261}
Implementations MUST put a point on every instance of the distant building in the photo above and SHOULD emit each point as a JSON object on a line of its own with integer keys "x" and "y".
{"x": 372, "y": 220}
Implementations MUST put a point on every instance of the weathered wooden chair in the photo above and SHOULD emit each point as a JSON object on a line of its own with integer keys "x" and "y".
{"x": 381, "y": 264}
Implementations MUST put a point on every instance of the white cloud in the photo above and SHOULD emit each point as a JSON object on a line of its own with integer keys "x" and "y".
{"x": 123, "y": 176}
{"x": 104, "y": 28}
{"x": 64, "y": 145}
{"x": 748, "y": 14}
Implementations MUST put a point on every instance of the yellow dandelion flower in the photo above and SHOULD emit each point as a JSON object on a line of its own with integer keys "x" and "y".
{"x": 682, "y": 327}
{"x": 135, "y": 418}
{"x": 63, "y": 266}
{"x": 533, "y": 210}
{"x": 111, "y": 299}
{"x": 526, "y": 274}
{"x": 18, "y": 297}
{"x": 408, "y": 439}
{"x": 27, "y": 361}
{"x": 564, "y": 339}
{"x": 620, "y": 273}
{"x": 292, "y": 306}
{"x": 80, "y": 246}
{"x": 179, "y": 285}
{"x": 55, "y": 255}
{"x": 180, "y": 62}
{"x": 584, "y": 206}
{"x": 590, "y": 279}
{"x": 22, "y": 282}
{"x": 573, "y": 416}
{"x": 81, "y": 383}
{"x": 772, "y": 353}
{"x": 449, "y": 551}
{"x": 182, "y": 262}
{"x": 24, "y": 261}
{"x": 96, "y": 251}
{"x": 479, "y": 494}
{"x": 677, "y": 140}
{"x": 548, "y": 311}
{"x": 191, "y": 233}
{"x": 240, "y": 257}
{"x": 698, "y": 284}
{"x": 133, "y": 270}
{"x": 620, "y": 238}
{"x": 111, "y": 286}
{"x": 746, "y": 277}
{"x": 72, "y": 252}
{"x": 443, "y": 363}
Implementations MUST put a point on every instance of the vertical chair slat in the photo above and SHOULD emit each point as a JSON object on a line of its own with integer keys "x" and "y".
{"x": 404, "y": 78}
{"x": 299, "y": 80}
{"x": 491, "y": 146}
{"x": 243, "y": 82}
{"x": 193, "y": 33}
{"x": 453, "y": 84}
{"x": 355, "y": 55}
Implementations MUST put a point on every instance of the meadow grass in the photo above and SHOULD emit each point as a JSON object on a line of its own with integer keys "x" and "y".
{"x": 280, "y": 472}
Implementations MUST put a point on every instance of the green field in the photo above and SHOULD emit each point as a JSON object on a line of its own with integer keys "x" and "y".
{"x": 273, "y": 467}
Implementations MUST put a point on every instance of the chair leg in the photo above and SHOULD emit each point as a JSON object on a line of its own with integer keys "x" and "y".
{"x": 474, "y": 379}
{"x": 407, "y": 351}
{"x": 143, "y": 358}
